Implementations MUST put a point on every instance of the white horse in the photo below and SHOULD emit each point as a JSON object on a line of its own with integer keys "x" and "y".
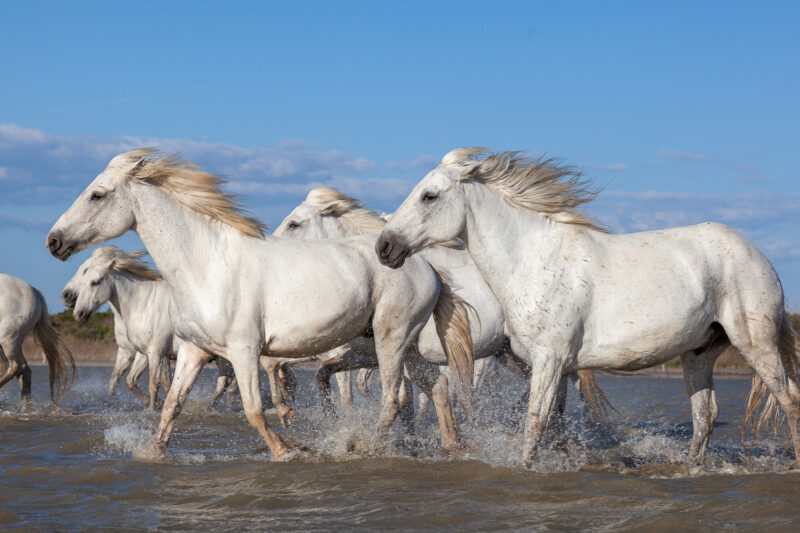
{"x": 240, "y": 293}
{"x": 328, "y": 213}
{"x": 139, "y": 300}
{"x": 576, "y": 297}
{"x": 22, "y": 309}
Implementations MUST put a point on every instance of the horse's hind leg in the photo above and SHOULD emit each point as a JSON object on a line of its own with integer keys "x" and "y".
{"x": 434, "y": 383}
{"x": 166, "y": 379}
{"x": 17, "y": 367}
{"x": 25, "y": 384}
{"x": 405, "y": 398}
{"x": 757, "y": 341}
{"x": 555, "y": 425}
{"x": 343, "y": 383}
{"x": 284, "y": 410}
{"x": 347, "y": 360}
{"x": 699, "y": 380}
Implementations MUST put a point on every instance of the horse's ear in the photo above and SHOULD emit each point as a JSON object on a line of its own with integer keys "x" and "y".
{"x": 464, "y": 159}
{"x": 140, "y": 164}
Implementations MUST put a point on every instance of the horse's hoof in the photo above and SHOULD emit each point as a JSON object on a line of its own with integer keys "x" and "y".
{"x": 285, "y": 415}
{"x": 297, "y": 455}
{"x": 457, "y": 450}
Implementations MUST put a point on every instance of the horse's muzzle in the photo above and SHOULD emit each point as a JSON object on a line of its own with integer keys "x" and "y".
{"x": 55, "y": 243}
{"x": 391, "y": 251}
{"x": 69, "y": 298}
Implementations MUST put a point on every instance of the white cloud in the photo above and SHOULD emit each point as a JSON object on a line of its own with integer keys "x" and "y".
{"x": 686, "y": 156}
{"x": 770, "y": 219}
{"x": 614, "y": 167}
{"x": 425, "y": 162}
{"x": 38, "y": 164}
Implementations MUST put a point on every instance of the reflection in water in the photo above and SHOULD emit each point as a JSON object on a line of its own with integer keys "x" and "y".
{"x": 89, "y": 464}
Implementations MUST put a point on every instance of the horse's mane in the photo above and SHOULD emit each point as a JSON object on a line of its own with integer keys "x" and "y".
{"x": 540, "y": 185}
{"x": 352, "y": 213}
{"x": 112, "y": 258}
{"x": 194, "y": 188}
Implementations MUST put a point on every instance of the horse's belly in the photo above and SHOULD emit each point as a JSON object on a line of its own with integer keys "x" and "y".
{"x": 315, "y": 335}
{"x": 634, "y": 349}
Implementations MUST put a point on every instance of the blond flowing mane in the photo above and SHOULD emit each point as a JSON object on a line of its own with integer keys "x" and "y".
{"x": 352, "y": 213}
{"x": 540, "y": 185}
{"x": 194, "y": 188}
{"x": 108, "y": 258}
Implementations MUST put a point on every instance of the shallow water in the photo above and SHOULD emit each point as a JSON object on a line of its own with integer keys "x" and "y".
{"x": 88, "y": 465}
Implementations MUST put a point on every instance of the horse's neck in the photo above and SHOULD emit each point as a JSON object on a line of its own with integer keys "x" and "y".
{"x": 184, "y": 245}
{"x": 498, "y": 236}
{"x": 130, "y": 295}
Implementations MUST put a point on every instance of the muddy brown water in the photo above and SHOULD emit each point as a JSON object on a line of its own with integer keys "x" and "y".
{"x": 88, "y": 466}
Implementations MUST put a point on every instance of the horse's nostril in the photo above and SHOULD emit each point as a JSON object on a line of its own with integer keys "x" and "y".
{"x": 385, "y": 247}
{"x": 53, "y": 244}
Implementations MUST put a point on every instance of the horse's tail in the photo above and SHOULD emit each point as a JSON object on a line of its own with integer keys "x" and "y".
{"x": 58, "y": 356}
{"x": 594, "y": 396}
{"x": 451, "y": 317}
{"x": 789, "y": 348}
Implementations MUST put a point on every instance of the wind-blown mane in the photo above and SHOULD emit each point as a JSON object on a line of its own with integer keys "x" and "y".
{"x": 540, "y": 185}
{"x": 352, "y": 213}
{"x": 194, "y": 188}
{"x": 112, "y": 258}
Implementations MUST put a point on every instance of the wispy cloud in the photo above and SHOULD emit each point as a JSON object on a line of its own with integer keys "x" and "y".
{"x": 37, "y": 165}
{"x": 614, "y": 167}
{"x": 425, "y": 162}
{"x": 35, "y": 224}
{"x": 686, "y": 156}
{"x": 766, "y": 217}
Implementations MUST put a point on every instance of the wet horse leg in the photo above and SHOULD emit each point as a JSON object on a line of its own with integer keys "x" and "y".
{"x": 191, "y": 361}
{"x": 245, "y": 366}
{"x": 434, "y": 383}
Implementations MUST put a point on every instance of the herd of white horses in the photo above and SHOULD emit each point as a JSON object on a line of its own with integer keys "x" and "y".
{"x": 488, "y": 259}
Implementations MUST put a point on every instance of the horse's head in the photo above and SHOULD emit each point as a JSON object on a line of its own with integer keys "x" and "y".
{"x": 93, "y": 289}
{"x": 69, "y": 296}
{"x": 104, "y": 210}
{"x": 434, "y": 212}
{"x": 305, "y": 223}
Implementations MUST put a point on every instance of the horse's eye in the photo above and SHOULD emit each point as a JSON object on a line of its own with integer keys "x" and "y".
{"x": 429, "y": 196}
{"x": 293, "y": 225}
{"x": 95, "y": 283}
{"x": 98, "y": 195}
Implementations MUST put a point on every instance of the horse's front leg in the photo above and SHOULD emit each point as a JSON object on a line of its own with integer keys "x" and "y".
{"x": 154, "y": 367}
{"x": 245, "y": 367}
{"x": 123, "y": 362}
{"x": 546, "y": 379}
{"x": 191, "y": 361}
{"x": 137, "y": 369}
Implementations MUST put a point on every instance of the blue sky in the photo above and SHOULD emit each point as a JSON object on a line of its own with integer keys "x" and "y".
{"x": 683, "y": 112}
